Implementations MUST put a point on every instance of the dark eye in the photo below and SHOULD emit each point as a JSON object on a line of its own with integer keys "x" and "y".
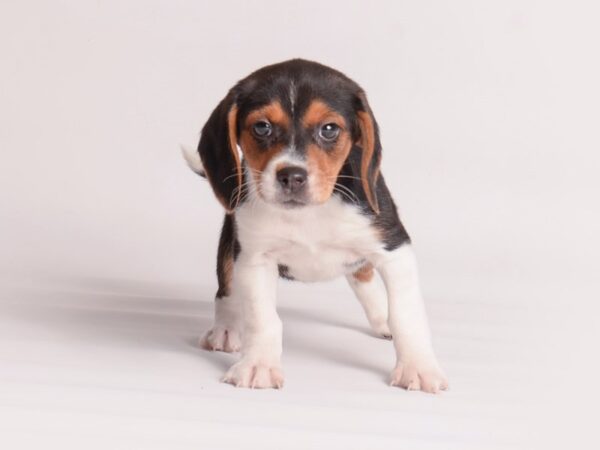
{"x": 262, "y": 129}
{"x": 329, "y": 131}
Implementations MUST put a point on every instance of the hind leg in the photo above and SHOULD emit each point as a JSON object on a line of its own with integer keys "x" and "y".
{"x": 373, "y": 298}
{"x": 225, "y": 334}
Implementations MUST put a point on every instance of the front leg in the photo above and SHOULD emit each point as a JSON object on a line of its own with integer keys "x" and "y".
{"x": 416, "y": 365}
{"x": 254, "y": 283}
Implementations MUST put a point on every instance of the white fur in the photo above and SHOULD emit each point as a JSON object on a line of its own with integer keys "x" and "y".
{"x": 292, "y": 96}
{"x": 416, "y": 364}
{"x": 316, "y": 242}
{"x": 320, "y": 242}
{"x": 225, "y": 335}
{"x": 255, "y": 280}
{"x": 192, "y": 157}
{"x": 373, "y": 298}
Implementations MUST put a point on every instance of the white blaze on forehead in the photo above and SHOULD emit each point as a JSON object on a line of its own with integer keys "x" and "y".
{"x": 292, "y": 96}
{"x": 288, "y": 157}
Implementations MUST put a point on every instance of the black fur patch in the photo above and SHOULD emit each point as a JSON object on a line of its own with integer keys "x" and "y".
{"x": 227, "y": 253}
{"x": 387, "y": 222}
{"x": 284, "y": 272}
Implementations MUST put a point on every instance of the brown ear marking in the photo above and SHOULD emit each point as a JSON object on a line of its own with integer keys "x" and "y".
{"x": 232, "y": 129}
{"x": 367, "y": 143}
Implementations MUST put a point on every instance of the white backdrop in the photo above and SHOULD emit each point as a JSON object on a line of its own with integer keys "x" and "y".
{"x": 489, "y": 116}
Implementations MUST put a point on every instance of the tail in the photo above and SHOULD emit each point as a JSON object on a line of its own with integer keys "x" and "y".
{"x": 192, "y": 157}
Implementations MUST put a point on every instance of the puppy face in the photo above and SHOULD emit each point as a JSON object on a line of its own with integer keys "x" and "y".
{"x": 304, "y": 130}
{"x": 294, "y": 159}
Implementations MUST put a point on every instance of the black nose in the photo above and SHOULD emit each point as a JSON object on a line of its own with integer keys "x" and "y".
{"x": 292, "y": 179}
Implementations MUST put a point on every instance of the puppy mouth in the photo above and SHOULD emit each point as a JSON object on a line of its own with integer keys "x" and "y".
{"x": 285, "y": 201}
{"x": 293, "y": 203}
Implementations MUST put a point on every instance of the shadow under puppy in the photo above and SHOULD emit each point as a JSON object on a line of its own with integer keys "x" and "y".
{"x": 293, "y": 155}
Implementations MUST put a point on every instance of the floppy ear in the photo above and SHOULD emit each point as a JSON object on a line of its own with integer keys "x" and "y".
{"x": 371, "y": 150}
{"x": 219, "y": 154}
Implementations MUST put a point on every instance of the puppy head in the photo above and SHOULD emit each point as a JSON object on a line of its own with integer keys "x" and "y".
{"x": 302, "y": 129}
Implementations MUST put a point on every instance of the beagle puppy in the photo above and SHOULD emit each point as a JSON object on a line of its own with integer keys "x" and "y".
{"x": 293, "y": 154}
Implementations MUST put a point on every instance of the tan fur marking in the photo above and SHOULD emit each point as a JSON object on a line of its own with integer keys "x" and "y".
{"x": 256, "y": 157}
{"x": 326, "y": 164}
{"x": 364, "y": 274}
{"x": 232, "y": 128}
{"x": 228, "y": 272}
{"x": 367, "y": 142}
{"x": 320, "y": 113}
{"x": 273, "y": 112}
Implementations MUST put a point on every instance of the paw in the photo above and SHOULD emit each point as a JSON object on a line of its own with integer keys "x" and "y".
{"x": 221, "y": 339}
{"x": 254, "y": 375}
{"x": 419, "y": 375}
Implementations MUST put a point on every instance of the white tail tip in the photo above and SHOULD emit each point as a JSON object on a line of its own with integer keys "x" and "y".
{"x": 192, "y": 158}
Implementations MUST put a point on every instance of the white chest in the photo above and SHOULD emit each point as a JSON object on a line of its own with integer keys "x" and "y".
{"x": 314, "y": 243}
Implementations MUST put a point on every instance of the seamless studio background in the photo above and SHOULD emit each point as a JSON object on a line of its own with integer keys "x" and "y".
{"x": 489, "y": 118}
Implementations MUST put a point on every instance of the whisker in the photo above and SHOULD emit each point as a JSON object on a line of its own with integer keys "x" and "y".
{"x": 348, "y": 176}
{"x": 346, "y": 190}
{"x": 347, "y": 196}
{"x": 245, "y": 191}
{"x": 230, "y": 176}
{"x": 249, "y": 169}
{"x": 344, "y": 195}
{"x": 238, "y": 192}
